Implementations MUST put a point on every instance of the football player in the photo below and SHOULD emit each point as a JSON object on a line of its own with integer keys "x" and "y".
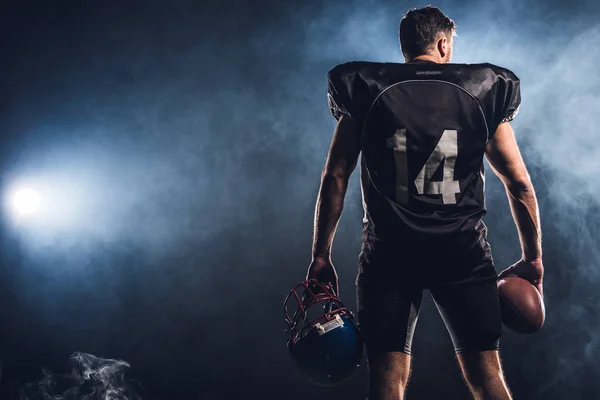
{"x": 421, "y": 129}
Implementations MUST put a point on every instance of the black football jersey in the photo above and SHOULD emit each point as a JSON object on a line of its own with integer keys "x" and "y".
{"x": 425, "y": 128}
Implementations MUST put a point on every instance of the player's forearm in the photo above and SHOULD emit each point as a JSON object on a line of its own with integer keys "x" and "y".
{"x": 330, "y": 203}
{"x": 524, "y": 207}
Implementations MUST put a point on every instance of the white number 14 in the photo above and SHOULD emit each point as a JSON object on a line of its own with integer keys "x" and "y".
{"x": 446, "y": 151}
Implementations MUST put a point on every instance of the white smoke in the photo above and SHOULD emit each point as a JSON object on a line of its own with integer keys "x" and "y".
{"x": 92, "y": 378}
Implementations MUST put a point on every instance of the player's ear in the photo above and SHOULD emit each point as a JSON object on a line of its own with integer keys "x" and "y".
{"x": 443, "y": 46}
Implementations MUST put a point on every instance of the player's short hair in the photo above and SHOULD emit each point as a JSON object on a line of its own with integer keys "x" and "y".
{"x": 420, "y": 28}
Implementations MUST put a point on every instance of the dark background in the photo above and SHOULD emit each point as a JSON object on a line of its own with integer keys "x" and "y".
{"x": 177, "y": 147}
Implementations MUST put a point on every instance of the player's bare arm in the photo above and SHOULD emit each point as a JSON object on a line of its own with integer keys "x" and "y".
{"x": 505, "y": 159}
{"x": 341, "y": 162}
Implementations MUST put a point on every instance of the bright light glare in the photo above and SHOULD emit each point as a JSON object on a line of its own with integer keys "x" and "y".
{"x": 26, "y": 201}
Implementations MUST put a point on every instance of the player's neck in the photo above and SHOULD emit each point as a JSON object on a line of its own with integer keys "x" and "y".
{"x": 426, "y": 57}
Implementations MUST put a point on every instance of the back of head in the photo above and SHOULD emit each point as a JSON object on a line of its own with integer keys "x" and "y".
{"x": 420, "y": 29}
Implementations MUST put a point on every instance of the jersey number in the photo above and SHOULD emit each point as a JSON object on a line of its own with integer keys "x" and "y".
{"x": 445, "y": 152}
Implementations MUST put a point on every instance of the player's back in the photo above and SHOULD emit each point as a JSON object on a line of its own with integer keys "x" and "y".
{"x": 425, "y": 128}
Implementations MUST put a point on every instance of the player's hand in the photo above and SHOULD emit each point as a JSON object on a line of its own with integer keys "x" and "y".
{"x": 532, "y": 271}
{"x": 323, "y": 270}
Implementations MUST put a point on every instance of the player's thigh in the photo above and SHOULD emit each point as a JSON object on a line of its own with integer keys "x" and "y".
{"x": 387, "y": 315}
{"x": 471, "y": 312}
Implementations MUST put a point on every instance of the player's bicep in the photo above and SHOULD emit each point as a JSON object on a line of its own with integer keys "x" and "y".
{"x": 345, "y": 148}
{"x": 504, "y": 156}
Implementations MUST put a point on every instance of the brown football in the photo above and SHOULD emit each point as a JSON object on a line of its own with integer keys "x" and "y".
{"x": 521, "y": 304}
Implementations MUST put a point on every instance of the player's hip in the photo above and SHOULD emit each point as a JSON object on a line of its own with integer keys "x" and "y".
{"x": 426, "y": 262}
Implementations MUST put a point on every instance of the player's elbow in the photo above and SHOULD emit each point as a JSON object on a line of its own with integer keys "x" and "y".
{"x": 334, "y": 179}
{"x": 335, "y": 174}
{"x": 519, "y": 186}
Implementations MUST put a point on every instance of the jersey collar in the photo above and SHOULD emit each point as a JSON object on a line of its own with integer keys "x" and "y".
{"x": 419, "y": 61}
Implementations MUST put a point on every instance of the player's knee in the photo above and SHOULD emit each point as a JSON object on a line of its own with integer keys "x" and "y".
{"x": 487, "y": 384}
{"x": 386, "y": 388}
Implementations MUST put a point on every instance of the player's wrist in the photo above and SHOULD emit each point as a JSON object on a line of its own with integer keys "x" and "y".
{"x": 321, "y": 257}
{"x": 532, "y": 260}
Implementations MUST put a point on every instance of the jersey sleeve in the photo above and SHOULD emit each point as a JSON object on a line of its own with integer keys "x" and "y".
{"x": 337, "y": 94}
{"x": 499, "y": 95}
{"x": 508, "y": 96}
{"x": 347, "y": 91}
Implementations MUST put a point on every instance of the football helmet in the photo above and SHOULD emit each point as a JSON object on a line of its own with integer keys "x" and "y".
{"x": 323, "y": 336}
